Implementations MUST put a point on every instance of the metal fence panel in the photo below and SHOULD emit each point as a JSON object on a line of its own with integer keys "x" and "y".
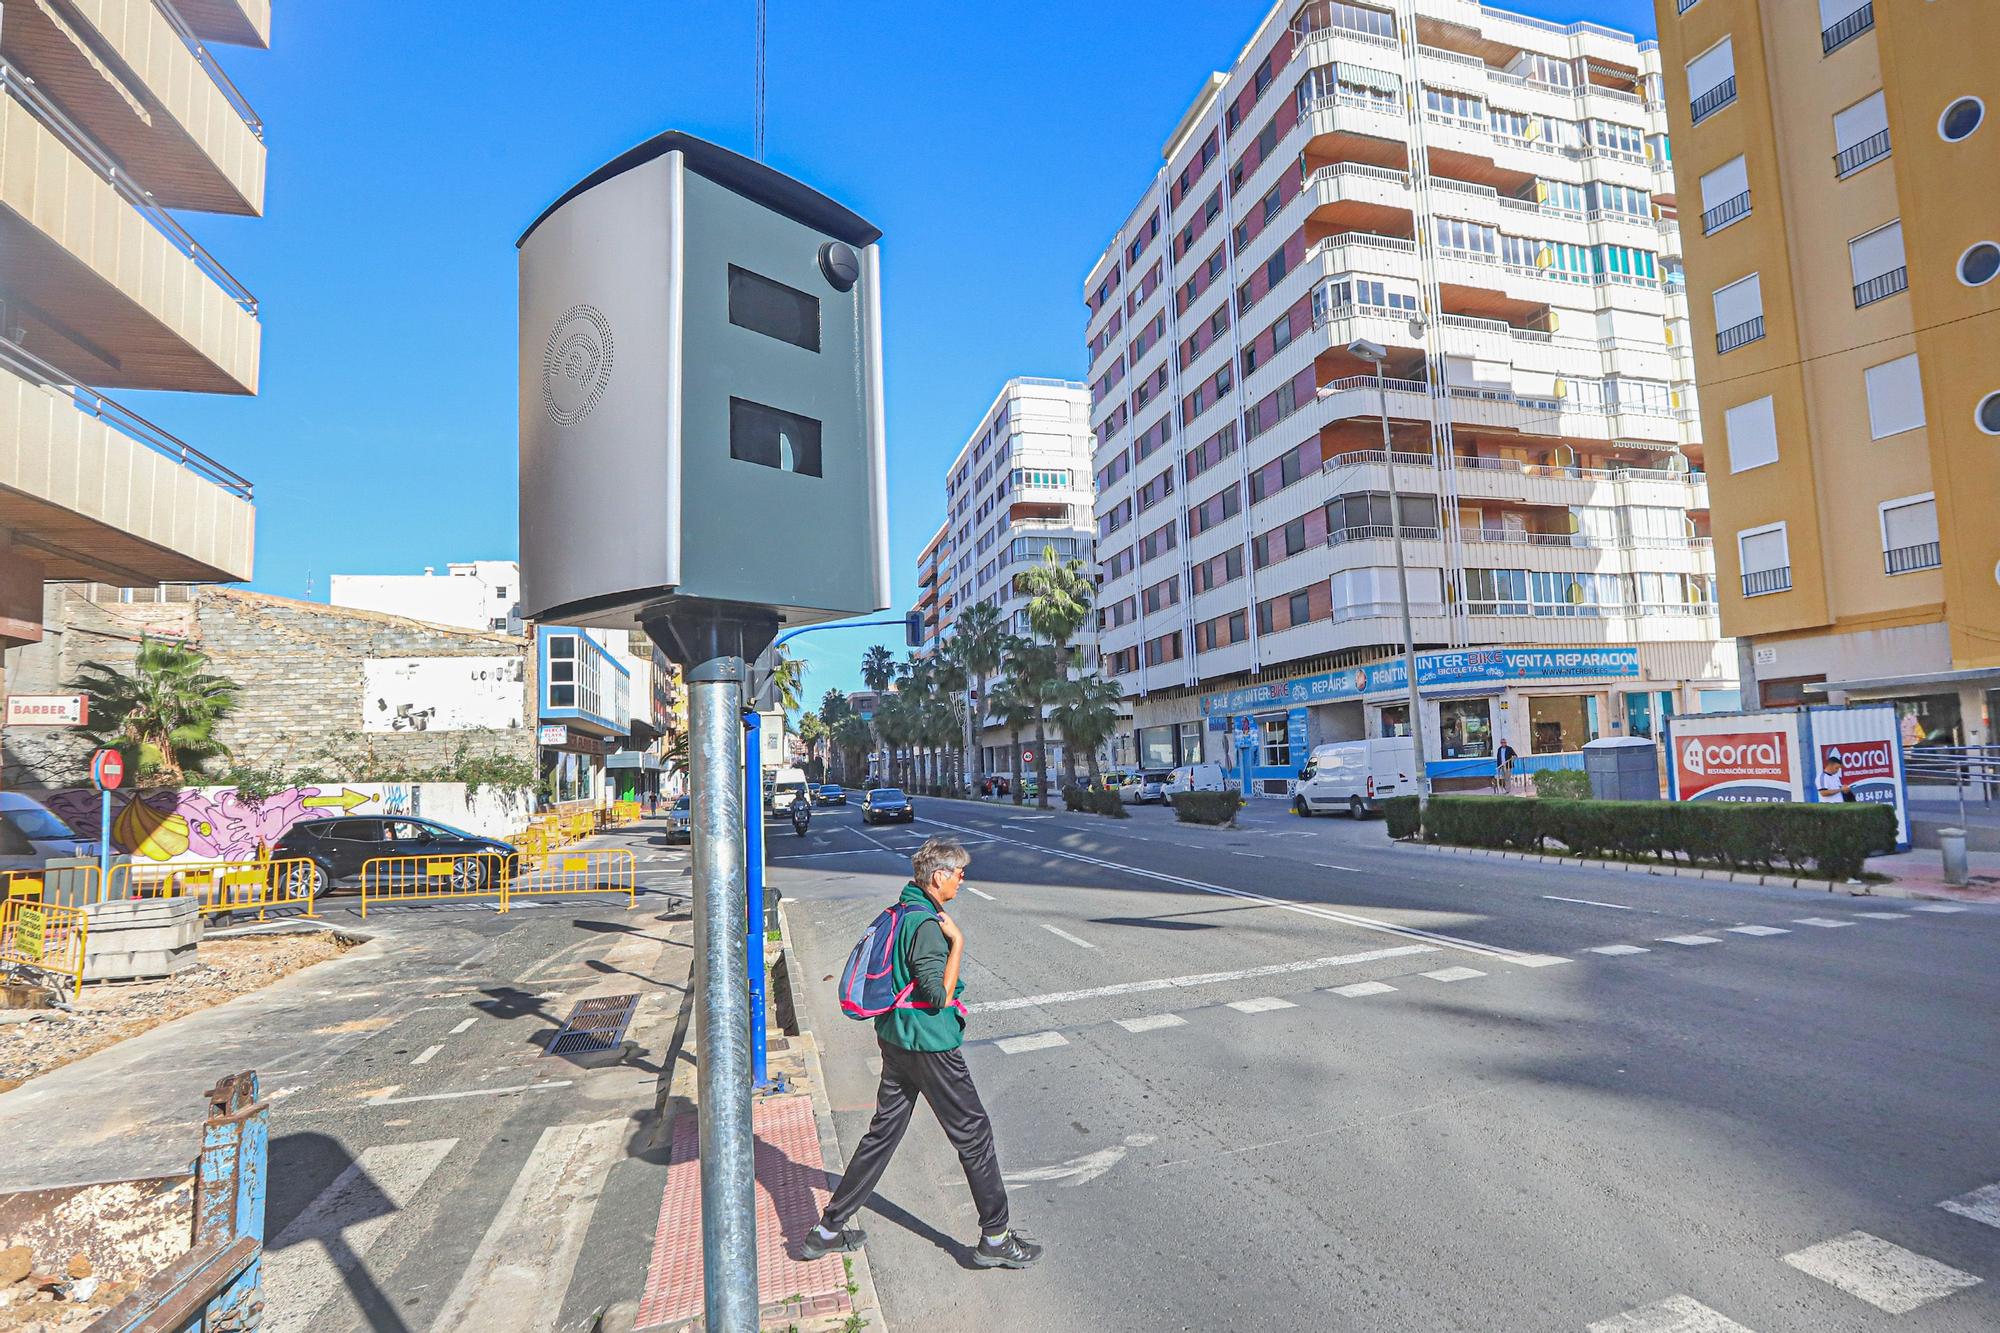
{"x": 576, "y": 870}
{"x": 408, "y": 879}
{"x": 223, "y": 886}
{"x": 44, "y": 937}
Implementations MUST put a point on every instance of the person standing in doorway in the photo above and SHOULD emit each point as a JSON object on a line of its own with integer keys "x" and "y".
{"x": 1504, "y": 758}
{"x": 921, "y": 1056}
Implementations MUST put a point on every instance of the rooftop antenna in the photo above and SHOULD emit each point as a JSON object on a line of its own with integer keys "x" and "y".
{"x": 761, "y": 83}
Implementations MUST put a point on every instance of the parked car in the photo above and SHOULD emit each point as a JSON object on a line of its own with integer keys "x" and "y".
{"x": 1153, "y": 786}
{"x": 680, "y": 822}
{"x": 886, "y": 805}
{"x": 1196, "y": 777}
{"x": 337, "y": 848}
{"x": 31, "y": 835}
{"x": 1356, "y": 776}
{"x": 830, "y": 793}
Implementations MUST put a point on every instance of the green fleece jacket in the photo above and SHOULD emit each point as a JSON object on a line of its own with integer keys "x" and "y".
{"x": 920, "y": 957}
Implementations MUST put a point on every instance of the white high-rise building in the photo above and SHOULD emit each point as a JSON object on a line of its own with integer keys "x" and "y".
{"x": 1490, "y": 198}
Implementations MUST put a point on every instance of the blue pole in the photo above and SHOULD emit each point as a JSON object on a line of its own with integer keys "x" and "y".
{"x": 753, "y": 866}
{"x": 104, "y": 839}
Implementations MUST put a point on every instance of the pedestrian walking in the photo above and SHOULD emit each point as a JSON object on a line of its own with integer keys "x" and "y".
{"x": 920, "y": 1039}
{"x": 1503, "y": 767}
{"x": 1833, "y": 784}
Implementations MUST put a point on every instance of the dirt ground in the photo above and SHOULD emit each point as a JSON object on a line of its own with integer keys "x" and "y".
{"x": 106, "y": 1014}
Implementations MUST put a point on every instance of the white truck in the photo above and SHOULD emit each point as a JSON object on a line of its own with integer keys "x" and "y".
{"x": 1356, "y": 776}
{"x": 787, "y": 785}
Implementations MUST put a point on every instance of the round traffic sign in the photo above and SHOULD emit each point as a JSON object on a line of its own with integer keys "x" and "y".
{"x": 1027, "y": 756}
{"x": 107, "y": 769}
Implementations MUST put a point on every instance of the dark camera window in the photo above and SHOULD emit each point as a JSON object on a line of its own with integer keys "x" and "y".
{"x": 773, "y": 309}
{"x": 771, "y": 438}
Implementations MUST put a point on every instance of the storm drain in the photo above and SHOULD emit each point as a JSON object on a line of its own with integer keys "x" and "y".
{"x": 596, "y": 1024}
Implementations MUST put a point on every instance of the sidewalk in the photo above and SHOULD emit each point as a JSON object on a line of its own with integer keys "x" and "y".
{"x": 1920, "y": 874}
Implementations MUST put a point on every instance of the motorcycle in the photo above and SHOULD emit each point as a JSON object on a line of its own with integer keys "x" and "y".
{"x": 801, "y": 816}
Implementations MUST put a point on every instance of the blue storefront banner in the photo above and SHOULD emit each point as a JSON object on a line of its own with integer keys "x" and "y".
{"x": 1463, "y": 667}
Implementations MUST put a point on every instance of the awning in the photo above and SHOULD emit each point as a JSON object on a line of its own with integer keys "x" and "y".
{"x": 1362, "y": 76}
{"x": 1465, "y": 691}
{"x": 1966, "y": 676}
{"x": 642, "y": 759}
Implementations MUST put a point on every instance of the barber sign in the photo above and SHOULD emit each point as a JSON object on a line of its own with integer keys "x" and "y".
{"x": 1736, "y": 766}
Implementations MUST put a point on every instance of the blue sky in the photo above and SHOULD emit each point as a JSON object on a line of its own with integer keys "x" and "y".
{"x": 997, "y": 146}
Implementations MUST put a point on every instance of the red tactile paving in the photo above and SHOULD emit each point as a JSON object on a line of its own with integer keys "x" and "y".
{"x": 791, "y": 1190}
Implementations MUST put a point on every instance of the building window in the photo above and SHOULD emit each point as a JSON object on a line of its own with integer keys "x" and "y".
{"x": 1276, "y": 735}
{"x": 1860, "y": 135}
{"x": 1739, "y": 313}
{"x": 1910, "y": 534}
{"x": 1895, "y": 397}
{"x": 1978, "y": 264}
{"x": 1752, "y": 432}
{"x": 1465, "y": 728}
{"x": 1766, "y": 557}
{"x": 1560, "y": 723}
{"x": 1711, "y": 80}
{"x": 1987, "y": 415}
{"x": 1725, "y": 195}
{"x": 1841, "y": 21}
{"x": 1876, "y": 260}
{"x": 1960, "y": 119}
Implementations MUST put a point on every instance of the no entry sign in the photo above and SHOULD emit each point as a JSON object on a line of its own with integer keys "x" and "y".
{"x": 107, "y": 769}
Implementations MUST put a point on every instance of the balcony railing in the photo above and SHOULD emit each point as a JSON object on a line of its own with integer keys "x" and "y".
{"x": 23, "y": 90}
{"x": 1683, "y": 6}
{"x": 230, "y": 92}
{"x": 1712, "y": 101}
{"x": 1880, "y": 286}
{"x": 1367, "y": 457}
{"x": 1724, "y": 213}
{"x": 1851, "y": 159}
{"x": 1759, "y": 582}
{"x": 120, "y": 418}
{"x": 1831, "y": 39}
{"x": 1735, "y": 336}
{"x": 1903, "y": 559}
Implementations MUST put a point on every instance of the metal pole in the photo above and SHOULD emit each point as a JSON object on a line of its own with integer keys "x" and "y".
{"x": 104, "y": 839}
{"x": 753, "y": 866}
{"x": 1403, "y": 596}
{"x": 722, "y": 1029}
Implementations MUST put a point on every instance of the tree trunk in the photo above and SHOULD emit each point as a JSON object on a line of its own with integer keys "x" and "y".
{"x": 1014, "y": 787}
{"x": 1041, "y": 762}
{"x": 975, "y": 734}
{"x": 1096, "y": 773}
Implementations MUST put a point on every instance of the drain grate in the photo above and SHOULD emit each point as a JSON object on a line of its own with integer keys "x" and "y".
{"x": 596, "y": 1024}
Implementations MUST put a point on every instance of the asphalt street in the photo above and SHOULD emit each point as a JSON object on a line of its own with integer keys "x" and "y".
{"x": 1294, "y": 1075}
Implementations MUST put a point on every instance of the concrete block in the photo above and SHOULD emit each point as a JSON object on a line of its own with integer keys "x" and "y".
{"x": 141, "y": 937}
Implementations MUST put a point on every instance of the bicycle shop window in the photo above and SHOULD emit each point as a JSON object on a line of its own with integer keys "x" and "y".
{"x": 1465, "y": 728}
{"x": 1277, "y": 742}
{"x": 1559, "y": 723}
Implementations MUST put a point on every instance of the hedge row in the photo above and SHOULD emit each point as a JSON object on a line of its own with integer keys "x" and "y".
{"x": 1207, "y": 807}
{"x": 1094, "y": 801}
{"x": 1829, "y": 840}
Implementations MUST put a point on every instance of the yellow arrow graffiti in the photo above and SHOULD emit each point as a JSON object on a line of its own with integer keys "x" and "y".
{"x": 347, "y": 800}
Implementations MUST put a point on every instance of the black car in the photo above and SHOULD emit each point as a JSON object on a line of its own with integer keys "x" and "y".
{"x": 830, "y": 794}
{"x": 887, "y": 804}
{"x": 337, "y": 848}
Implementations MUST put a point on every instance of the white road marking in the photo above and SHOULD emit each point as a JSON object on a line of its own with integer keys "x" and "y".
{"x": 1536, "y": 960}
{"x": 1304, "y": 909}
{"x": 1196, "y": 979}
{"x": 1292, "y": 833}
{"x": 1690, "y": 940}
{"x": 465, "y": 1025}
{"x": 521, "y": 1272}
{"x": 429, "y": 1051}
{"x": 1361, "y": 988}
{"x": 1942, "y": 908}
{"x": 1262, "y": 1005}
{"x": 1255, "y": 856}
{"x": 1825, "y": 923}
{"x": 305, "y": 1265}
{"x": 1676, "y": 1314}
{"x": 1454, "y": 974}
{"x": 1759, "y": 931}
{"x": 978, "y": 893}
{"x": 1326, "y": 865}
{"x": 1080, "y": 1170}
{"x": 1617, "y": 950}
{"x": 474, "y": 1092}
{"x": 1982, "y": 1205}
{"x": 1587, "y": 902}
{"x": 1022, "y": 819}
{"x": 1034, "y": 1041}
{"x": 809, "y": 856}
{"x": 1887, "y": 1276}
{"x": 1062, "y": 934}
{"x": 1883, "y": 916}
{"x": 1151, "y": 1022}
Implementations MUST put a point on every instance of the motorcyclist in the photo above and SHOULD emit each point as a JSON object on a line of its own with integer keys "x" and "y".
{"x": 801, "y": 814}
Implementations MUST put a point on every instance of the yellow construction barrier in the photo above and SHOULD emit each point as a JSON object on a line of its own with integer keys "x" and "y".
{"x": 627, "y": 812}
{"x": 580, "y": 825}
{"x": 533, "y": 841}
{"x": 409, "y": 879}
{"x": 569, "y": 870}
{"x": 22, "y": 884}
{"x": 223, "y": 886}
{"x": 79, "y": 884}
{"x": 44, "y": 938}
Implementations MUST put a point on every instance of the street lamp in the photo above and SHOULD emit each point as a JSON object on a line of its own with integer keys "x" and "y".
{"x": 1363, "y": 350}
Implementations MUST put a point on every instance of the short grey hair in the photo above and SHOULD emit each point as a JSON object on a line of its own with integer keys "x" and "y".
{"x": 938, "y": 854}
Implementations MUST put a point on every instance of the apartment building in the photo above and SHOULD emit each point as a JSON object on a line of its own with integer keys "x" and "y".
{"x": 1844, "y": 342}
{"x": 1020, "y": 487}
{"x": 936, "y": 551}
{"x": 473, "y": 594}
{"x": 114, "y": 119}
{"x": 1487, "y": 197}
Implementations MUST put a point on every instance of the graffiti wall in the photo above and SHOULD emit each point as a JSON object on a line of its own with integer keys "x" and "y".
{"x": 442, "y": 693}
{"x": 216, "y": 823}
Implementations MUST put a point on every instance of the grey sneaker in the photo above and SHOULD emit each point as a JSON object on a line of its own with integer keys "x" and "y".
{"x": 1015, "y": 1250}
{"x": 817, "y": 1246}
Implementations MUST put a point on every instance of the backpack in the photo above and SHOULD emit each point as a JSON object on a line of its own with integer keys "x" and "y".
{"x": 868, "y": 979}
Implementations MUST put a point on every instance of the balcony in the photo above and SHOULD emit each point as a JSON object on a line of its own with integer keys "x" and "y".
{"x": 98, "y": 492}
{"x": 142, "y": 305}
{"x": 1832, "y": 38}
{"x": 1762, "y": 582}
{"x": 1712, "y": 101}
{"x": 1870, "y": 150}
{"x": 1738, "y": 335}
{"x": 1724, "y": 213}
{"x": 1907, "y": 559}
{"x": 237, "y": 22}
{"x": 1881, "y": 286}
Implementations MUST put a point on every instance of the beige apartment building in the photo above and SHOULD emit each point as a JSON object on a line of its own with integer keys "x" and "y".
{"x": 1841, "y": 286}
{"x": 116, "y": 116}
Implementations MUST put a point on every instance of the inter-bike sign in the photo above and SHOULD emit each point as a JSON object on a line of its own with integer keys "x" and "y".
{"x": 48, "y": 710}
{"x": 1777, "y": 756}
{"x": 1465, "y": 667}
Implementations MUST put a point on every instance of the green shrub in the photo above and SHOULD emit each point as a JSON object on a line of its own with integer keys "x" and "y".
{"x": 1400, "y": 813}
{"x": 1829, "y": 840}
{"x": 1563, "y": 784}
{"x": 1094, "y": 801}
{"x": 1207, "y": 807}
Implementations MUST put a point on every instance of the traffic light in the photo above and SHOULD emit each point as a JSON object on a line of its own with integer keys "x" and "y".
{"x": 913, "y": 629}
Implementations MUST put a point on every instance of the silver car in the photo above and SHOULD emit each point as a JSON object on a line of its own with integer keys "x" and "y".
{"x": 679, "y": 822}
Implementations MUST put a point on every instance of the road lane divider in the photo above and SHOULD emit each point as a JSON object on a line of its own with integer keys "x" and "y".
{"x": 1062, "y": 934}
{"x": 1194, "y": 979}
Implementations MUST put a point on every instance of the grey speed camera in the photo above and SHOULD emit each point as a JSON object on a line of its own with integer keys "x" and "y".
{"x": 700, "y": 397}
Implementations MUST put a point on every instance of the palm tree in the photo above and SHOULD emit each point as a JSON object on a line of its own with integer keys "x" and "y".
{"x": 1014, "y": 710}
{"x": 813, "y": 733}
{"x": 892, "y": 725}
{"x": 949, "y": 675}
{"x": 981, "y": 637}
{"x": 788, "y": 679}
{"x": 851, "y": 739}
{"x": 1059, "y": 596}
{"x": 161, "y": 718}
{"x": 833, "y": 706}
{"x": 878, "y": 668}
{"x": 1036, "y": 670}
{"x": 1086, "y": 713}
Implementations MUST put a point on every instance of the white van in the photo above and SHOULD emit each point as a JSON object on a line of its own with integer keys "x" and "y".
{"x": 1197, "y": 777}
{"x": 1356, "y": 776}
{"x": 31, "y": 835}
{"x": 788, "y": 785}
